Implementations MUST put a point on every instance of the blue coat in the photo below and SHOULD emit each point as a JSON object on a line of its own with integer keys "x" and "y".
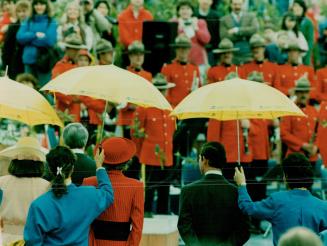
{"x": 286, "y": 209}
{"x": 26, "y": 36}
{"x": 66, "y": 220}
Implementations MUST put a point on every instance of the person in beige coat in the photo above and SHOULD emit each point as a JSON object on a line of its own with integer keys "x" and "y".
{"x": 21, "y": 186}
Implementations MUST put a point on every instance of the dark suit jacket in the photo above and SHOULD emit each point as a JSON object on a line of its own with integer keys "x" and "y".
{"x": 83, "y": 168}
{"x": 248, "y": 26}
{"x": 209, "y": 214}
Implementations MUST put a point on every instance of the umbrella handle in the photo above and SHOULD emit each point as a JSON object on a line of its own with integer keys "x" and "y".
{"x": 238, "y": 144}
{"x": 102, "y": 125}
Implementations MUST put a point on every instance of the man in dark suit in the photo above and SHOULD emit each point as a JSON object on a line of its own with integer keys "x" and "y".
{"x": 209, "y": 214}
{"x": 239, "y": 26}
{"x": 75, "y": 137}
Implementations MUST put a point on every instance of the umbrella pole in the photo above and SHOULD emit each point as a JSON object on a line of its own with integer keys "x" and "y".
{"x": 238, "y": 144}
{"x": 102, "y": 125}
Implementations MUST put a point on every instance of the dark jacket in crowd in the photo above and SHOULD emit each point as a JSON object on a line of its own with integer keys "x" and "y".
{"x": 84, "y": 167}
{"x": 12, "y": 52}
{"x": 212, "y": 20}
{"x": 209, "y": 214}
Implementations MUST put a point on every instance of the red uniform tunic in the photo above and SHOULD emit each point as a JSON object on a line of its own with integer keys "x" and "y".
{"x": 125, "y": 115}
{"x": 95, "y": 108}
{"x": 64, "y": 102}
{"x": 219, "y": 73}
{"x": 322, "y": 132}
{"x": 225, "y": 132}
{"x": 322, "y": 84}
{"x": 128, "y": 206}
{"x": 289, "y": 74}
{"x": 157, "y": 144}
{"x": 183, "y": 76}
{"x": 130, "y": 28}
{"x": 260, "y": 139}
{"x": 295, "y": 131}
{"x": 268, "y": 69}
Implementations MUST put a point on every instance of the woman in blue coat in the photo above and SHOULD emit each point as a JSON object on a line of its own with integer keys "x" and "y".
{"x": 63, "y": 215}
{"x": 37, "y": 32}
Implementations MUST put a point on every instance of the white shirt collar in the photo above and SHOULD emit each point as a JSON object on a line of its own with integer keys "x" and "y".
{"x": 214, "y": 172}
{"x": 78, "y": 151}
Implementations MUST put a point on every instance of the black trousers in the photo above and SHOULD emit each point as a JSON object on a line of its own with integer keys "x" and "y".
{"x": 157, "y": 179}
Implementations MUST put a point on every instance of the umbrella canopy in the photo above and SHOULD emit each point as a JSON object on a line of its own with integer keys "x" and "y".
{"x": 22, "y": 103}
{"x": 236, "y": 99}
{"x": 110, "y": 83}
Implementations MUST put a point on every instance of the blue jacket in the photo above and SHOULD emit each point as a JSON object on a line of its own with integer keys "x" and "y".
{"x": 66, "y": 220}
{"x": 286, "y": 209}
{"x": 26, "y": 36}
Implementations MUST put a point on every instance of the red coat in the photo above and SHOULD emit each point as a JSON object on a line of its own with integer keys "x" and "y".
{"x": 322, "y": 132}
{"x": 295, "y": 131}
{"x": 322, "y": 84}
{"x": 64, "y": 102}
{"x": 259, "y": 139}
{"x": 159, "y": 129}
{"x": 125, "y": 115}
{"x": 225, "y": 132}
{"x": 183, "y": 77}
{"x": 219, "y": 73}
{"x": 95, "y": 108}
{"x": 198, "y": 53}
{"x": 289, "y": 74}
{"x": 269, "y": 70}
{"x": 130, "y": 28}
{"x": 128, "y": 206}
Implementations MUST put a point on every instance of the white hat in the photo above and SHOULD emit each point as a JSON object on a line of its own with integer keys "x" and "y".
{"x": 27, "y": 148}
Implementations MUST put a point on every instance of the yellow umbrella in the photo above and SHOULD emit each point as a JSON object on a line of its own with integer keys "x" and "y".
{"x": 110, "y": 83}
{"x": 22, "y": 103}
{"x": 236, "y": 99}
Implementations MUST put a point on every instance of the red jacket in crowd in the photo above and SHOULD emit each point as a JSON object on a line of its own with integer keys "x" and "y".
{"x": 156, "y": 147}
{"x": 289, "y": 74}
{"x": 125, "y": 115}
{"x": 183, "y": 76}
{"x": 131, "y": 27}
{"x": 322, "y": 84}
{"x": 322, "y": 132}
{"x": 268, "y": 69}
{"x": 225, "y": 132}
{"x": 295, "y": 130}
{"x": 128, "y": 206}
{"x": 219, "y": 73}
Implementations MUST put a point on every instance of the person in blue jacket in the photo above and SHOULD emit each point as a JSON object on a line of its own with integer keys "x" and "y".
{"x": 291, "y": 208}
{"x": 63, "y": 215}
{"x": 37, "y": 32}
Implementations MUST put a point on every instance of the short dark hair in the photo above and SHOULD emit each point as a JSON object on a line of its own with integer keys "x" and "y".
{"x": 290, "y": 15}
{"x": 97, "y": 3}
{"x": 60, "y": 161}
{"x": 26, "y": 168}
{"x": 48, "y": 10}
{"x": 184, "y": 3}
{"x": 298, "y": 171}
{"x": 215, "y": 153}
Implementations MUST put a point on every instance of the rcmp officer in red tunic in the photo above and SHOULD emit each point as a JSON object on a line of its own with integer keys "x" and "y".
{"x": 299, "y": 133}
{"x": 259, "y": 64}
{"x": 154, "y": 140}
{"x": 293, "y": 70}
{"x": 225, "y": 69}
{"x": 136, "y": 53}
{"x": 186, "y": 76}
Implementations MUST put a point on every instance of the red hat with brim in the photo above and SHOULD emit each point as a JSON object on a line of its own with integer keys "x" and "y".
{"x": 117, "y": 150}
